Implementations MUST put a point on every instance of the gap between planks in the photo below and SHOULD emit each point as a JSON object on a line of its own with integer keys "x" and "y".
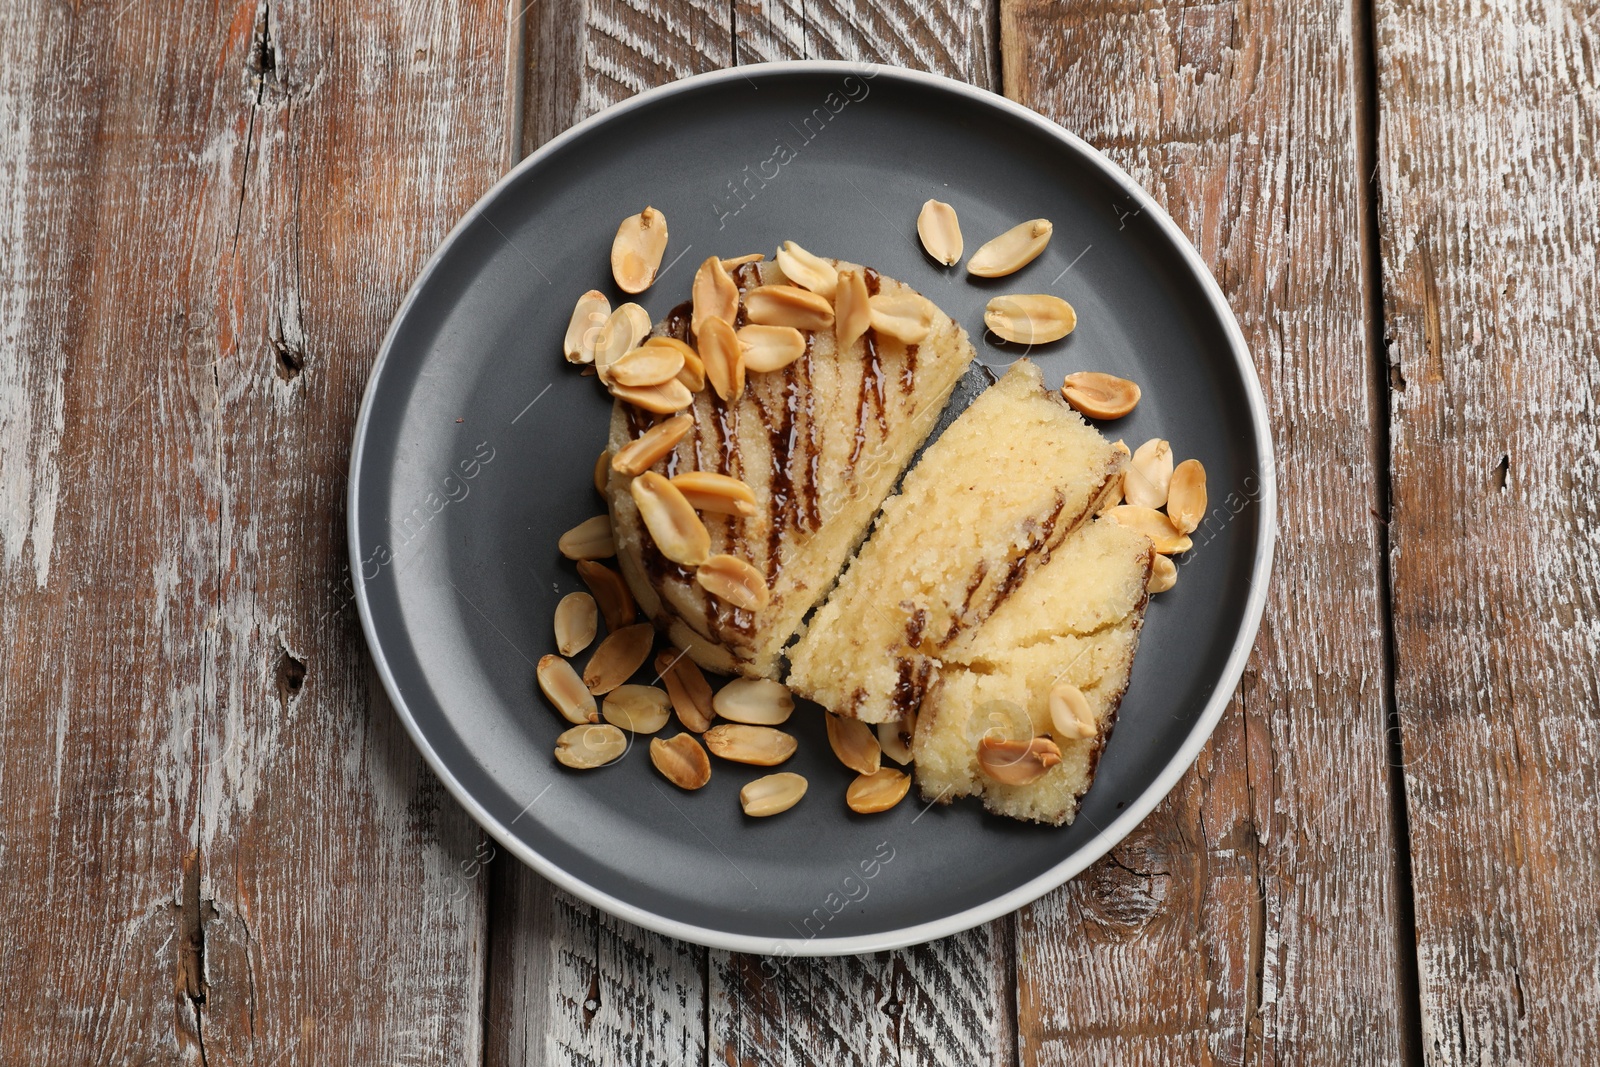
{"x": 1364, "y": 80}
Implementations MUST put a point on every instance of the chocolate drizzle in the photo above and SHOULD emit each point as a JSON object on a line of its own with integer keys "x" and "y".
{"x": 746, "y": 275}
{"x": 782, "y": 509}
{"x": 659, "y": 567}
{"x": 871, "y": 395}
{"x": 677, "y": 322}
{"x": 635, "y": 419}
{"x": 914, "y": 627}
{"x": 812, "y": 495}
{"x": 698, "y": 435}
{"x": 873, "y": 280}
{"x": 909, "y": 687}
{"x": 1042, "y": 540}
{"x": 726, "y": 421}
{"x": 1037, "y": 552}
{"x": 978, "y": 574}
{"x": 742, "y": 277}
{"x": 908, "y": 373}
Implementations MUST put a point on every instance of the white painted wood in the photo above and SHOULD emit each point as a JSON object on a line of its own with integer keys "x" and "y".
{"x": 1252, "y": 918}
{"x": 221, "y": 845}
{"x": 1491, "y": 211}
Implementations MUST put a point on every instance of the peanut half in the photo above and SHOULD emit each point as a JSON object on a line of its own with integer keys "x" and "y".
{"x": 895, "y": 736}
{"x": 1070, "y": 715}
{"x": 1100, "y": 396}
{"x": 610, "y": 592}
{"x": 562, "y": 687}
{"x": 638, "y": 709}
{"x": 1186, "y": 497}
{"x": 755, "y": 701}
{"x": 720, "y": 493}
{"x": 723, "y": 358}
{"x": 644, "y": 451}
{"x": 673, "y": 525}
{"x": 637, "y": 249}
{"x": 806, "y": 270}
{"x": 940, "y": 231}
{"x": 852, "y": 308}
{"x": 854, "y": 742}
{"x": 590, "y": 539}
{"x": 770, "y": 348}
{"x": 1012, "y": 250}
{"x": 1154, "y": 525}
{"x": 761, "y": 746}
{"x": 647, "y": 365}
{"x": 1163, "y": 575}
{"x": 693, "y": 374}
{"x": 617, "y": 657}
{"x": 905, "y": 316}
{"x": 1145, "y": 481}
{"x": 878, "y": 791}
{"x": 601, "y": 466}
{"x": 714, "y": 294}
{"x": 787, "y": 305}
{"x": 1017, "y": 762}
{"x": 772, "y": 794}
{"x": 576, "y": 618}
{"x": 584, "y": 748}
{"x": 1030, "y": 318}
{"x": 732, "y": 579}
{"x": 681, "y": 760}
{"x": 625, "y": 329}
{"x": 667, "y": 398}
{"x": 589, "y": 316}
{"x": 688, "y": 689}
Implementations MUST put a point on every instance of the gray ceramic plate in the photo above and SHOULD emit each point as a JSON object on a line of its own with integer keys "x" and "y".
{"x": 475, "y": 446}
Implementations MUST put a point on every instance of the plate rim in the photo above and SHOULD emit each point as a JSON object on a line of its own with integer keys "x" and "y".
{"x": 1036, "y": 887}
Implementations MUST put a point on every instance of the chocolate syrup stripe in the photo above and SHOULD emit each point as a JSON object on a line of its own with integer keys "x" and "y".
{"x": 813, "y": 496}
{"x": 795, "y": 500}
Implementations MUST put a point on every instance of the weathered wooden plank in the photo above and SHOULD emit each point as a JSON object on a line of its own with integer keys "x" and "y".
{"x": 571, "y": 985}
{"x": 1491, "y": 206}
{"x": 370, "y": 140}
{"x": 948, "y": 1002}
{"x": 101, "y": 687}
{"x": 957, "y": 39}
{"x": 215, "y": 210}
{"x": 585, "y": 55}
{"x": 1251, "y": 918}
{"x": 567, "y": 983}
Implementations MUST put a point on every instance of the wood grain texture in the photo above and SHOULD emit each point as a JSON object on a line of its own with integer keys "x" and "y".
{"x": 571, "y": 985}
{"x": 944, "y": 1003}
{"x": 214, "y": 211}
{"x": 952, "y": 1001}
{"x": 567, "y": 983}
{"x": 946, "y": 37}
{"x": 584, "y": 55}
{"x": 947, "y": 1002}
{"x": 1491, "y": 207}
{"x": 1251, "y": 918}
{"x": 222, "y": 848}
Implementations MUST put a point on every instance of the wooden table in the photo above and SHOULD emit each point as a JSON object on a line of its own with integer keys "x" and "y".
{"x": 220, "y": 847}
